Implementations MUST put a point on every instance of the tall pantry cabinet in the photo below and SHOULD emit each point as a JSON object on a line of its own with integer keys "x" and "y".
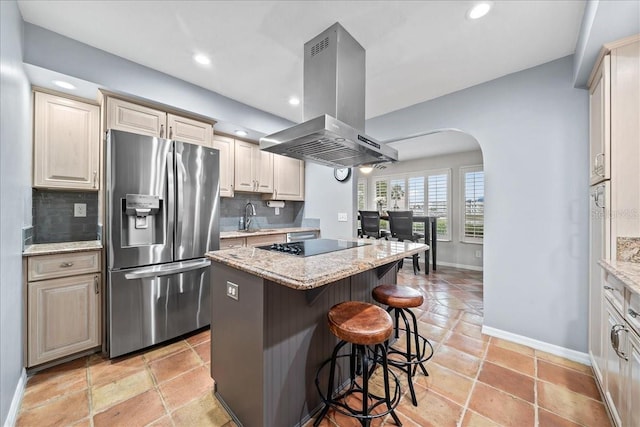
{"x": 614, "y": 224}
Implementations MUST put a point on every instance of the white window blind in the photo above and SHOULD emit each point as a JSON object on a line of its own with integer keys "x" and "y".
{"x": 382, "y": 196}
{"x": 473, "y": 202}
{"x": 438, "y": 203}
{"x": 415, "y": 195}
{"x": 362, "y": 194}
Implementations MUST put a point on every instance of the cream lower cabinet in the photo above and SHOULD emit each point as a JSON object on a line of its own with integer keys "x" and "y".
{"x": 226, "y": 147}
{"x": 288, "y": 179}
{"x": 135, "y": 118}
{"x": 615, "y": 350}
{"x": 253, "y": 168}
{"x": 63, "y": 309}
{"x": 633, "y": 377}
{"x": 66, "y": 149}
{"x": 261, "y": 240}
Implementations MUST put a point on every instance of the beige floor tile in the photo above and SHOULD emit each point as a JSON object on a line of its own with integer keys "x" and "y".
{"x": 511, "y": 359}
{"x": 509, "y": 345}
{"x": 186, "y": 387}
{"x": 437, "y": 320}
{"x": 473, "y": 419}
{"x": 457, "y": 361}
{"x": 467, "y": 344}
{"x": 509, "y": 381}
{"x": 40, "y": 392}
{"x": 500, "y": 407}
{"x": 161, "y": 352}
{"x": 549, "y": 419}
{"x": 203, "y": 412}
{"x": 120, "y": 390}
{"x": 67, "y": 410}
{"x": 198, "y": 338}
{"x": 433, "y": 410}
{"x": 445, "y": 382}
{"x": 564, "y": 362}
{"x": 174, "y": 365}
{"x": 140, "y": 410}
{"x": 469, "y": 329}
{"x": 103, "y": 370}
{"x": 204, "y": 351}
{"x": 432, "y": 332}
{"x": 70, "y": 368}
{"x": 165, "y": 421}
{"x": 572, "y": 406}
{"x": 569, "y": 378}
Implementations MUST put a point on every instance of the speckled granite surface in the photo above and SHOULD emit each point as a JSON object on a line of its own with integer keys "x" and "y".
{"x": 314, "y": 271}
{"x": 627, "y": 272}
{"x": 61, "y": 248}
{"x": 628, "y": 249}
{"x": 236, "y": 234}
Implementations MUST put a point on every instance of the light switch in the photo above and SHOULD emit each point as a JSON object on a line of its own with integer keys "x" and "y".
{"x": 342, "y": 217}
{"x": 80, "y": 210}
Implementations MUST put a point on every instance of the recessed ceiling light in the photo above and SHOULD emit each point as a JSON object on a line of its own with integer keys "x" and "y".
{"x": 479, "y": 10}
{"x": 202, "y": 59}
{"x": 241, "y": 133}
{"x": 366, "y": 168}
{"x": 63, "y": 84}
{"x": 294, "y": 101}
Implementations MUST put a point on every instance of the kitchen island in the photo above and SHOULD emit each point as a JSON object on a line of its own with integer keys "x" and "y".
{"x": 268, "y": 323}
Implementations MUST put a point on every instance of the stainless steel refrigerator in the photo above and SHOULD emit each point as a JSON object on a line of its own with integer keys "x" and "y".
{"x": 162, "y": 216}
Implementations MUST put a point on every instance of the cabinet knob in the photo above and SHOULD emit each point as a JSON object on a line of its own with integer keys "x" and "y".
{"x": 609, "y": 288}
{"x": 66, "y": 264}
{"x": 161, "y": 131}
{"x": 170, "y": 132}
{"x": 633, "y": 313}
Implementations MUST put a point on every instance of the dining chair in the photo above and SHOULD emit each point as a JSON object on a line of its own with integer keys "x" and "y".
{"x": 401, "y": 225}
{"x": 370, "y": 225}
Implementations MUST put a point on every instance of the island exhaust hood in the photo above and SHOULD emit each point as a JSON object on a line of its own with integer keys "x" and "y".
{"x": 333, "y": 108}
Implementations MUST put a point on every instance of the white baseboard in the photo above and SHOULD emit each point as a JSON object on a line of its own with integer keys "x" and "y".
{"x": 12, "y": 416}
{"x": 556, "y": 350}
{"x": 455, "y": 265}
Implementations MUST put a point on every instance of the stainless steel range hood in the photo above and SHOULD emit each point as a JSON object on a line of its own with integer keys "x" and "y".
{"x": 334, "y": 94}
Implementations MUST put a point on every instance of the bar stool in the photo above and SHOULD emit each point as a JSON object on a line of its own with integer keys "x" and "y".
{"x": 399, "y": 300}
{"x": 361, "y": 325}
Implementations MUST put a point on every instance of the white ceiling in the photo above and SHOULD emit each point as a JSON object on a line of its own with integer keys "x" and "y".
{"x": 436, "y": 143}
{"x": 416, "y": 50}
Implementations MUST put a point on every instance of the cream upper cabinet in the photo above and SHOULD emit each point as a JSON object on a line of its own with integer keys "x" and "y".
{"x": 66, "y": 150}
{"x": 288, "y": 179}
{"x": 135, "y": 118}
{"x": 226, "y": 146}
{"x": 130, "y": 117}
{"x": 189, "y": 130}
{"x": 599, "y": 123}
{"x": 253, "y": 168}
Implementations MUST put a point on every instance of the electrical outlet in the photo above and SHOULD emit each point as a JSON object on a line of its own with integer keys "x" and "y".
{"x": 478, "y": 254}
{"x": 232, "y": 290}
{"x": 80, "y": 210}
{"x": 342, "y": 217}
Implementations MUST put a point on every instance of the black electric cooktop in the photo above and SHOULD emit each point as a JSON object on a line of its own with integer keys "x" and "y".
{"x": 312, "y": 247}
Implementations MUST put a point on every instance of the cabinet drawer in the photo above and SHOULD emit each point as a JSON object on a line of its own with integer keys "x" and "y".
{"x": 265, "y": 240}
{"x": 238, "y": 242}
{"x": 614, "y": 291}
{"x": 633, "y": 311}
{"x": 60, "y": 265}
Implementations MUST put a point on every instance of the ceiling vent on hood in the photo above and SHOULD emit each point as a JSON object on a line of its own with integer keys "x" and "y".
{"x": 333, "y": 108}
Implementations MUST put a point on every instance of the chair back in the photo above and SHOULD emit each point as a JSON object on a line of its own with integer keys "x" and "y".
{"x": 370, "y": 223}
{"x": 401, "y": 225}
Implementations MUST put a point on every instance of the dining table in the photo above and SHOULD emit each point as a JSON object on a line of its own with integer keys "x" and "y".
{"x": 430, "y": 236}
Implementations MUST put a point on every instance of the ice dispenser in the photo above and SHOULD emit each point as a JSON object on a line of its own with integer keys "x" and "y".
{"x": 143, "y": 220}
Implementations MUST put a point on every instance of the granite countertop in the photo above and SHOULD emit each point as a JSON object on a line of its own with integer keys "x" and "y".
{"x": 263, "y": 232}
{"x": 61, "y": 248}
{"x": 318, "y": 270}
{"x": 627, "y": 272}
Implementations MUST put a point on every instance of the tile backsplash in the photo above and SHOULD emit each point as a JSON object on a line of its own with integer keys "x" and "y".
{"x": 231, "y": 209}
{"x": 628, "y": 249}
{"x": 53, "y": 219}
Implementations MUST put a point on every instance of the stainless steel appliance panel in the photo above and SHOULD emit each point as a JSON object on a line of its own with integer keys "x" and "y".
{"x": 153, "y": 304}
{"x": 197, "y": 201}
{"x": 138, "y": 165}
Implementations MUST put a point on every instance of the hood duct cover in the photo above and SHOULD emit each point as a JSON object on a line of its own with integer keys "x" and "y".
{"x": 333, "y": 108}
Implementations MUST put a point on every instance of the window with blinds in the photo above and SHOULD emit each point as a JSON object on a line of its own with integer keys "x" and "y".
{"x": 473, "y": 204}
{"x": 438, "y": 203}
{"x": 415, "y": 196}
{"x": 362, "y": 194}
{"x": 382, "y": 196}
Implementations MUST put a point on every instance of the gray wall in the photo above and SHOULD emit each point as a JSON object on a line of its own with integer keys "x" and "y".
{"x": 532, "y": 127}
{"x": 452, "y": 252}
{"x": 15, "y": 194}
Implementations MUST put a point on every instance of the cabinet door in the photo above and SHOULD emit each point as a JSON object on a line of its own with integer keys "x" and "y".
{"x": 189, "y": 130}
{"x": 245, "y": 179}
{"x": 63, "y": 317}
{"x": 633, "y": 381}
{"x": 66, "y": 151}
{"x": 615, "y": 364}
{"x": 123, "y": 115}
{"x": 264, "y": 170}
{"x": 227, "y": 163}
{"x": 288, "y": 178}
{"x": 599, "y": 123}
{"x": 237, "y": 242}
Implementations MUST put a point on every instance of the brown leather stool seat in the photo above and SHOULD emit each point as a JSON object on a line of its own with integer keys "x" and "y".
{"x": 399, "y": 300}
{"x": 362, "y": 325}
{"x": 398, "y": 296}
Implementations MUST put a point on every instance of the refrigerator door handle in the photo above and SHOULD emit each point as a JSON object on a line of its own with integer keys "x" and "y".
{"x": 170, "y": 206}
{"x": 179, "y": 198}
{"x": 158, "y": 271}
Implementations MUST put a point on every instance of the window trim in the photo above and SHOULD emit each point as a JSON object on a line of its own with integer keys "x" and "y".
{"x": 463, "y": 171}
{"x": 365, "y": 182}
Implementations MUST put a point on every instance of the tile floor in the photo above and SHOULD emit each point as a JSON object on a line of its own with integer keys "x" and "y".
{"x": 475, "y": 380}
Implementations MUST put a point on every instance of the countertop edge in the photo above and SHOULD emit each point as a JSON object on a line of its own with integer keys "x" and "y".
{"x": 236, "y": 234}
{"x": 62, "y": 248}
{"x": 627, "y": 272}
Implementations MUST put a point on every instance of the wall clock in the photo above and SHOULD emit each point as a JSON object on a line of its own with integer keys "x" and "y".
{"x": 342, "y": 174}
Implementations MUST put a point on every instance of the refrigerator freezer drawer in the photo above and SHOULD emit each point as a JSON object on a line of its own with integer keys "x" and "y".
{"x": 150, "y": 305}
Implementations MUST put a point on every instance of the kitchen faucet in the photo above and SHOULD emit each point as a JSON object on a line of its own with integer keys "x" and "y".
{"x": 247, "y": 216}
